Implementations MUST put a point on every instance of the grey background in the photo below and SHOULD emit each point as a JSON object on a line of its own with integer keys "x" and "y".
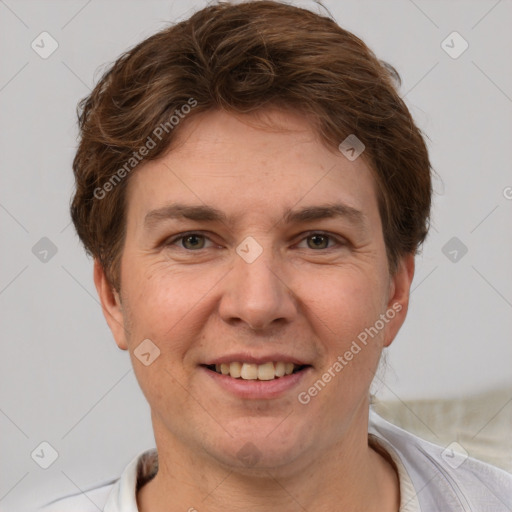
{"x": 63, "y": 379}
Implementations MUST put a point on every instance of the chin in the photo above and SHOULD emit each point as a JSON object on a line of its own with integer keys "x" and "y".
{"x": 253, "y": 460}
{"x": 261, "y": 447}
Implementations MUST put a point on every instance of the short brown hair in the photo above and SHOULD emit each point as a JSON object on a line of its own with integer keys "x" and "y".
{"x": 241, "y": 58}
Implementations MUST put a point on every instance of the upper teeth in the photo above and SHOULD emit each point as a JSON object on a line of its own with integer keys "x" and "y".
{"x": 250, "y": 371}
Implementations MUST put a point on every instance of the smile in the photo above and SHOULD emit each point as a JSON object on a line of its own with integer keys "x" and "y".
{"x": 251, "y": 371}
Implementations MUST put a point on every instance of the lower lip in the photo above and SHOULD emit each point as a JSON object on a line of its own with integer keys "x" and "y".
{"x": 258, "y": 389}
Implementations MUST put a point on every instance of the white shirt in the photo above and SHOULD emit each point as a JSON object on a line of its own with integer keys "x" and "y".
{"x": 432, "y": 479}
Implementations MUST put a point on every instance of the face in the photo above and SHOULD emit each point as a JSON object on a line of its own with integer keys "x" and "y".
{"x": 258, "y": 251}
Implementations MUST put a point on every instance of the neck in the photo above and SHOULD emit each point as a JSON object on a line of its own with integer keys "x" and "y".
{"x": 348, "y": 475}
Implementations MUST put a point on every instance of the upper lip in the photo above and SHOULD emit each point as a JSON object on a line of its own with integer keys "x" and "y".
{"x": 256, "y": 359}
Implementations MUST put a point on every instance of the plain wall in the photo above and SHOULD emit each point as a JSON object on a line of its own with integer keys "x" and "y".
{"x": 64, "y": 380}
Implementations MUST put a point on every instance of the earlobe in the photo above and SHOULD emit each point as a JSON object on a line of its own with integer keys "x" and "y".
{"x": 111, "y": 305}
{"x": 398, "y": 303}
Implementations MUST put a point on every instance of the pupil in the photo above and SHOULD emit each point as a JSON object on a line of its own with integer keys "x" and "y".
{"x": 191, "y": 241}
{"x": 319, "y": 241}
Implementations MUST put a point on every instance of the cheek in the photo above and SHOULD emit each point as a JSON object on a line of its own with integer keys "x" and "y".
{"x": 345, "y": 303}
{"x": 344, "y": 316}
{"x": 166, "y": 304}
{"x": 160, "y": 307}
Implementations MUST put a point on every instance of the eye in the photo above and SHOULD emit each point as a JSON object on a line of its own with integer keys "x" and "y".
{"x": 189, "y": 241}
{"x": 318, "y": 241}
{"x": 194, "y": 241}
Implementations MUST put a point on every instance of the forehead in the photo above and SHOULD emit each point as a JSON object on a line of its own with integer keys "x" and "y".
{"x": 251, "y": 165}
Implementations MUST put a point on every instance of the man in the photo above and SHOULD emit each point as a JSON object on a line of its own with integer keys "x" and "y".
{"x": 253, "y": 191}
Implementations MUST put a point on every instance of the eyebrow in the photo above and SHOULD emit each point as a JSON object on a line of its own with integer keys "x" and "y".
{"x": 181, "y": 211}
{"x": 329, "y": 211}
{"x": 210, "y": 214}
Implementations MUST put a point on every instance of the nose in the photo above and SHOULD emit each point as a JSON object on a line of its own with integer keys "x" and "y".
{"x": 257, "y": 294}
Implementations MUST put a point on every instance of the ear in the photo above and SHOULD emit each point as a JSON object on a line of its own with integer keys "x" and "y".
{"x": 111, "y": 305}
{"x": 398, "y": 303}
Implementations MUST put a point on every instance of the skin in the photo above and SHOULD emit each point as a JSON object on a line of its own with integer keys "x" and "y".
{"x": 202, "y": 300}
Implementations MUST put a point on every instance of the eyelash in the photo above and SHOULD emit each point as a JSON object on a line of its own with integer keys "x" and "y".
{"x": 339, "y": 241}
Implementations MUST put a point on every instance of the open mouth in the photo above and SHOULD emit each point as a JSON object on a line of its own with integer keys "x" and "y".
{"x": 251, "y": 371}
